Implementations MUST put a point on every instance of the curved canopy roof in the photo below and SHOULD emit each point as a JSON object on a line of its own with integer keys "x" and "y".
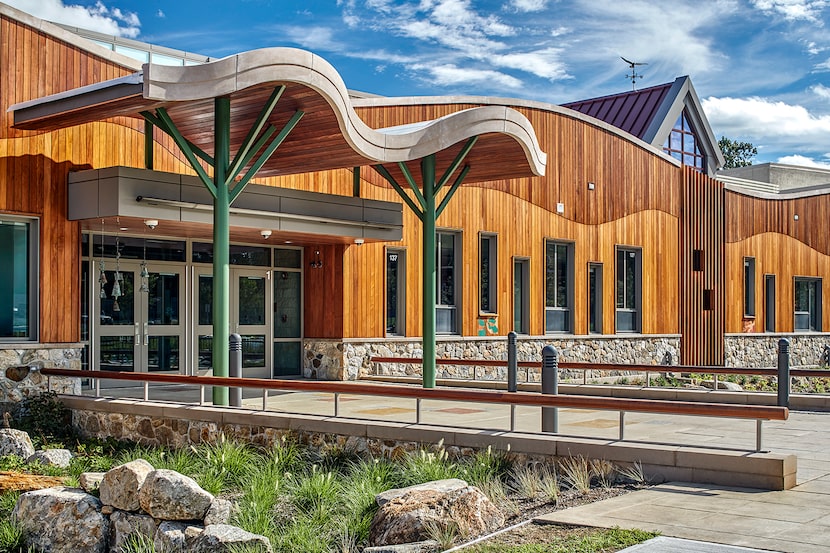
{"x": 330, "y": 135}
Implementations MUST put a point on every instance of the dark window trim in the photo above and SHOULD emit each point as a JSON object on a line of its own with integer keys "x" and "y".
{"x": 33, "y": 278}
{"x": 595, "y": 300}
{"x": 814, "y": 317}
{"x": 769, "y": 302}
{"x": 401, "y": 290}
{"x": 457, "y": 276}
{"x": 568, "y": 309}
{"x": 493, "y": 273}
{"x": 637, "y": 309}
{"x": 749, "y": 286}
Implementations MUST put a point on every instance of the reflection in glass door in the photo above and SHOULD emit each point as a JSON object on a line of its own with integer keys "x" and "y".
{"x": 250, "y": 296}
{"x": 139, "y": 330}
{"x": 288, "y": 323}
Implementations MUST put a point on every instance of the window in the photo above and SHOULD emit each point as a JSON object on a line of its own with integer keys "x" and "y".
{"x": 595, "y": 298}
{"x": 558, "y": 286}
{"x": 769, "y": 303}
{"x": 697, "y": 260}
{"x": 682, "y": 144}
{"x": 395, "y": 292}
{"x": 18, "y": 279}
{"x": 749, "y": 286}
{"x": 487, "y": 275}
{"x": 521, "y": 302}
{"x": 628, "y": 290}
{"x": 808, "y": 304}
{"x": 449, "y": 255}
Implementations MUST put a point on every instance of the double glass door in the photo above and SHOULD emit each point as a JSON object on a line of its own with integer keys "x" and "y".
{"x": 139, "y": 327}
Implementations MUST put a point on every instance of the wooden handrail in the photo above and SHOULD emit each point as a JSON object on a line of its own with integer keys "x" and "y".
{"x": 585, "y": 366}
{"x": 756, "y": 412}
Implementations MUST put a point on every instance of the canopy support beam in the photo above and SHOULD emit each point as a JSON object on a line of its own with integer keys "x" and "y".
{"x": 225, "y": 188}
{"x": 428, "y": 213}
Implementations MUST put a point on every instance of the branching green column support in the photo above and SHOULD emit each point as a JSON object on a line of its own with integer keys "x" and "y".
{"x": 428, "y": 212}
{"x": 221, "y": 245}
{"x": 228, "y": 181}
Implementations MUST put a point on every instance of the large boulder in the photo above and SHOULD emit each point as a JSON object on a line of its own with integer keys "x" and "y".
{"x": 16, "y": 442}
{"x": 120, "y": 485}
{"x": 406, "y": 515}
{"x": 91, "y": 481}
{"x": 175, "y": 537}
{"x": 219, "y": 512}
{"x": 62, "y": 520}
{"x": 51, "y": 457}
{"x": 168, "y": 495}
{"x": 124, "y": 524}
{"x": 223, "y": 538}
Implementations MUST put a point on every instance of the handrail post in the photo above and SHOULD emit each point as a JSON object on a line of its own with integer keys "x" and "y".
{"x": 758, "y": 435}
{"x": 550, "y": 385}
{"x": 783, "y": 372}
{"x": 235, "y": 368}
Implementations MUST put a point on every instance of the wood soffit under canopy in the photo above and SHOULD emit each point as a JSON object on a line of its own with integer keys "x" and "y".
{"x": 329, "y": 136}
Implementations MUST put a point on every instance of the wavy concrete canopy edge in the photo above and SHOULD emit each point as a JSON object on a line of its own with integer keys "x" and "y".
{"x": 168, "y": 85}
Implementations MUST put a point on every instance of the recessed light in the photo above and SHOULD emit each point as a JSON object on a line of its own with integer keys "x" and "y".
{"x": 123, "y": 228}
{"x": 289, "y": 242}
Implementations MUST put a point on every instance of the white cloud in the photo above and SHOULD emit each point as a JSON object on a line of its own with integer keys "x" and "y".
{"x": 803, "y": 161}
{"x": 160, "y": 14}
{"x": 821, "y": 91}
{"x": 450, "y": 75}
{"x": 792, "y": 10}
{"x": 110, "y": 21}
{"x": 765, "y": 117}
{"x": 824, "y": 66}
{"x": 528, "y": 5}
{"x": 312, "y": 38}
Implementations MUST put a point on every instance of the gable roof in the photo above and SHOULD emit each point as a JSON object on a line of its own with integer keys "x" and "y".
{"x": 650, "y": 114}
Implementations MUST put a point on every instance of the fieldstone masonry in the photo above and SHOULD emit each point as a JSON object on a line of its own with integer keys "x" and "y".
{"x": 350, "y": 359}
{"x": 17, "y": 357}
{"x": 761, "y": 350}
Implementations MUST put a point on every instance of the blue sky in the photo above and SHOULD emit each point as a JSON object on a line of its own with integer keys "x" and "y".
{"x": 760, "y": 67}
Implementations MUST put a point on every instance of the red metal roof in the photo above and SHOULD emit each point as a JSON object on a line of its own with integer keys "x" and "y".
{"x": 632, "y": 111}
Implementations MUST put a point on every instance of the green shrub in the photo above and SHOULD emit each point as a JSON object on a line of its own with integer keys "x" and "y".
{"x": 45, "y": 418}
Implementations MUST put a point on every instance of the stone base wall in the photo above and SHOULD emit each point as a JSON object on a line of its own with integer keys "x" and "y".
{"x": 24, "y": 361}
{"x": 349, "y": 359}
{"x": 761, "y": 350}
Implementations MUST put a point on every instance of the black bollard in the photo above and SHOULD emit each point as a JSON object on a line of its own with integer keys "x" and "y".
{"x": 235, "y": 369}
{"x": 783, "y": 372}
{"x": 550, "y": 385}
{"x": 512, "y": 362}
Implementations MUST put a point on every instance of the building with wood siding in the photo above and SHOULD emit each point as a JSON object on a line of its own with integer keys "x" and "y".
{"x": 626, "y": 249}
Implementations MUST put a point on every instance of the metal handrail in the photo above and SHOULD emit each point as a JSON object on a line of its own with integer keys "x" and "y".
{"x": 758, "y": 413}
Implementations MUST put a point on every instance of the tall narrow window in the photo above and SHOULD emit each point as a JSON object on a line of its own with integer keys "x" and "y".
{"x": 521, "y": 302}
{"x": 446, "y": 309}
{"x": 808, "y": 304}
{"x": 629, "y": 282}
{"x": 595, "y": 298}
{"x": 769, "y": 303}
{"x": 18, "y": 278}
{"x": 749, "y": 286}
{"x": 487, "y": 274}
{"x": 682, "y": 144}
{"x": 558, "y": 286}
{"x": 395, "y": 292}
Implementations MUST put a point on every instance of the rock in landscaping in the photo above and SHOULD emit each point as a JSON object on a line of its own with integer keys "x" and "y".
{"x": 169, "y": 495}
{"x": 175, "y": 536}
{"x": 19, "y": 482}
{"x": 120, "y": 485}
{"x": 90, "y": 481}
{"x": 16, "y": 442}
{"x": 219, "y": 512}
{"x": 223, "y": 538}
{"x": 429, "y": 546}
{"x": 441, "y": 486}
{"x": 124, "y": 524}
{"x": 62, "y": 520}
{"x": 408, "y": 514}
{"x": 51, "y": 457}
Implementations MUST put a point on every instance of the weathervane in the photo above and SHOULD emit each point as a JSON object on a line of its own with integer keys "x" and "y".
{"x": 634, "y": 75}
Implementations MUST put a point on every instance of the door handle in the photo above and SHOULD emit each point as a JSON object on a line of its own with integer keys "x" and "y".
{"x": 137, "y": 335}
{"x": 146, "y": 334}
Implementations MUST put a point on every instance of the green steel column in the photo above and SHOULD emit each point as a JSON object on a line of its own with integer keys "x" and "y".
{"x": 221, "y": 246}
{"x": 429, "y": 278}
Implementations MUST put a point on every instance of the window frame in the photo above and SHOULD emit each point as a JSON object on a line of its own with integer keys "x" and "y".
{"x": 637, "y": 309}
{"x": 492, "y": 250}
{"x": 814, "y": 313}
{"x": 400, "y": 326}
{"x": 455, "y": 309}
{"x": 32, "y": 279}
{"x": 749, "y": 287}
{"x": 595, "y": 297}
{"x": 566, "y": 310}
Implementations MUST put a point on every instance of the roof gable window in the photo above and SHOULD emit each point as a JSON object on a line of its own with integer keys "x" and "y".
{"x": 683, "y": 144}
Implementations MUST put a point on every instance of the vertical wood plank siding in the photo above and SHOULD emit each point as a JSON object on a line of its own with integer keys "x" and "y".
{"x": 702, "y": 229}
{"x": 768, "y": 231}
{"x": 636, "y": 202}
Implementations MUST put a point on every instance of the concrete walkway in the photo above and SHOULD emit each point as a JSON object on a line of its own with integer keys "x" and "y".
{"x": 796, "y": 520}
{"x": 673, "y": 545}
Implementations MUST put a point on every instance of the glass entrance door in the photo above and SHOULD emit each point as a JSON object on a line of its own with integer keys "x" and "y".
{"x": 139, "y": 329}
{"x": 249, "y": 317}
